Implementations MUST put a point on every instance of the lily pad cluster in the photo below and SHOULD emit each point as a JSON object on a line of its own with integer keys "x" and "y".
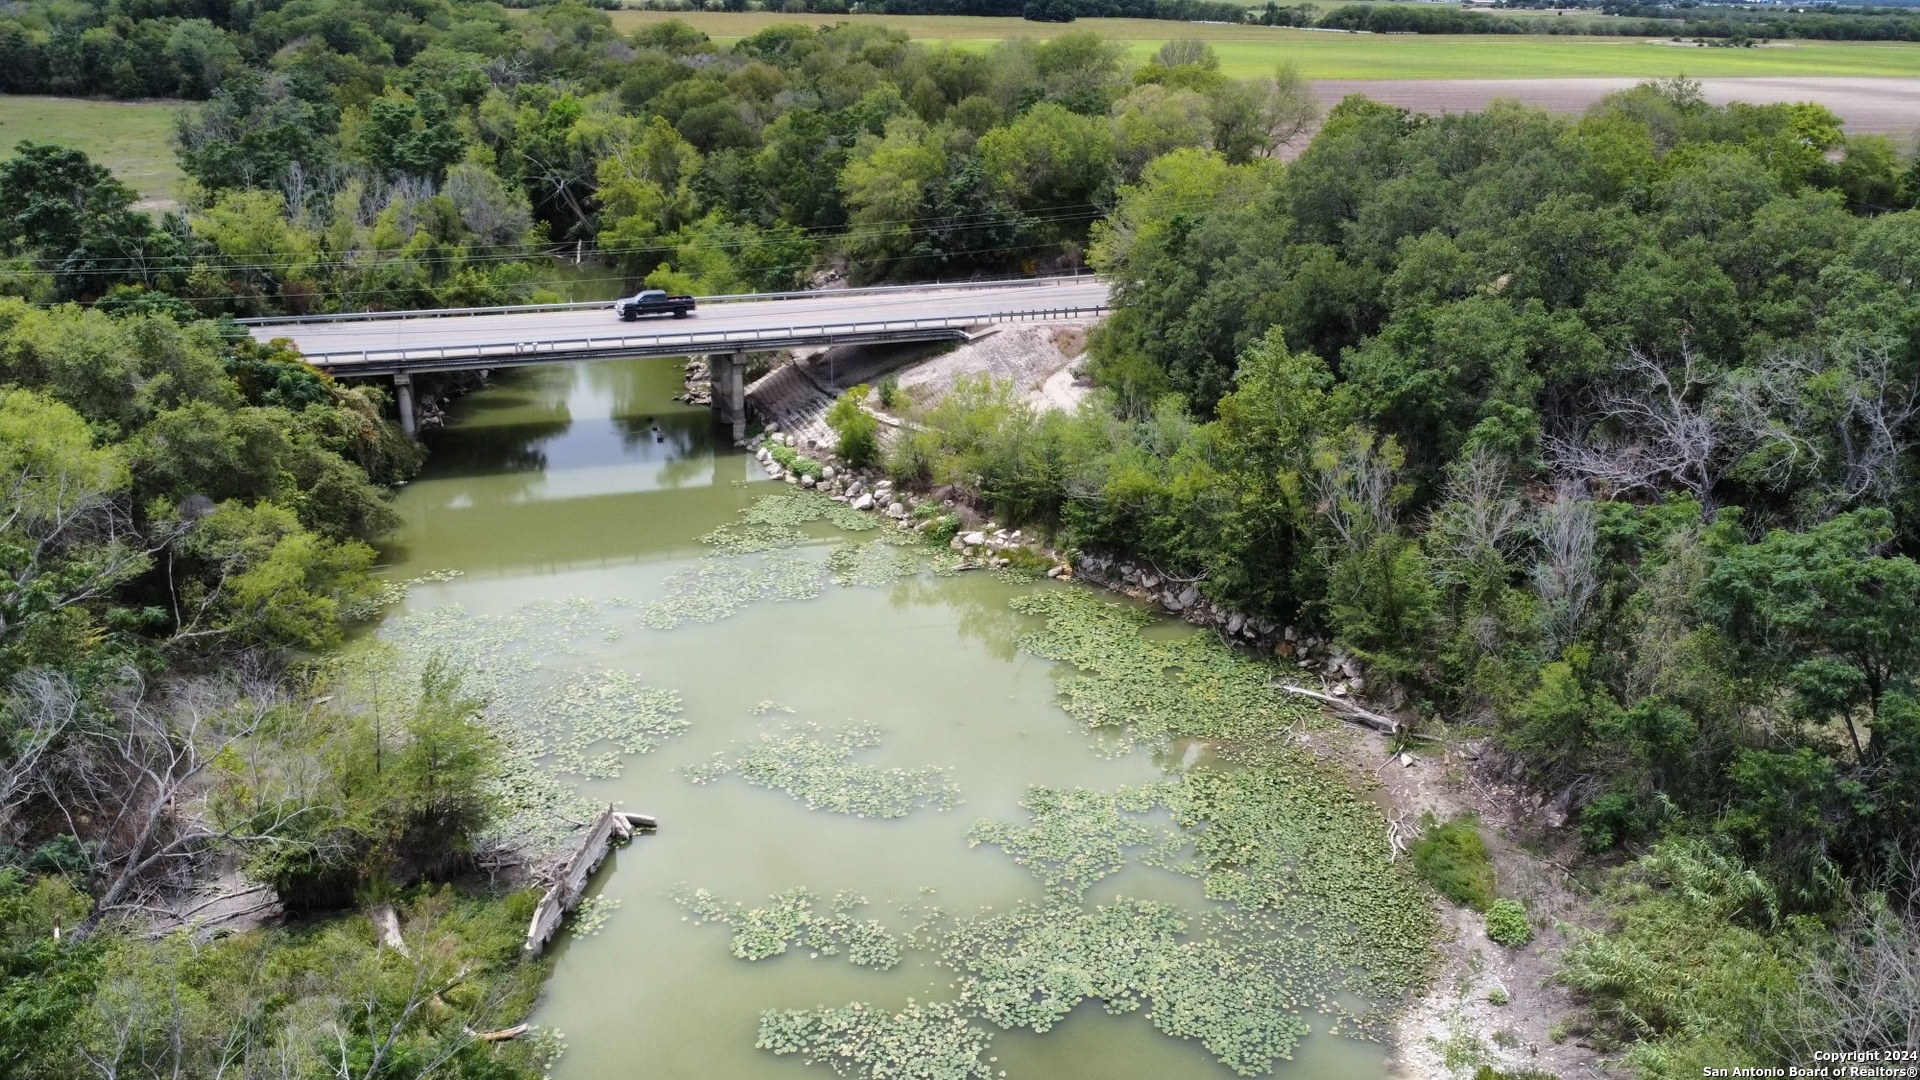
{"x": 851, "y": 520}
{"x": 742, "y": 539}
{"x": 591, "y": 916}
{"x": 1151, "y": 690}
{"x": 389, "y": 593}
{"x": 1285, "y": 835}
{"x": 608, "y": 709}
{"x": 874, "y": 563}
{"x": 1077, "y": 836}
{"x": 796, "y": 917}
{"x": 714, "y": 588}
{"x": 1314, "y": 907}
{"x": 754, "y": 559}
{"x": 934, "y": 1041}
{"x": 1031, "y": 966}
{"x": 816, "y": 765}
{"x": 771, "y": 522}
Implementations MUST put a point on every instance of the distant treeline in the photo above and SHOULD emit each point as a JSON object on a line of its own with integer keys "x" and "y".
{"x": 189, "y": 48}
{"x": 1639, "y": 20}
{"x": 1038, "y": 10}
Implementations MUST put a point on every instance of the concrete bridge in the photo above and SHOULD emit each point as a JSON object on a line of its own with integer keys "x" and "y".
{"x": 400, "y": 345}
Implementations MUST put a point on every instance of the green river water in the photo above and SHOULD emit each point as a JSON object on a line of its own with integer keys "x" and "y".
{"x": 590, "y": 482}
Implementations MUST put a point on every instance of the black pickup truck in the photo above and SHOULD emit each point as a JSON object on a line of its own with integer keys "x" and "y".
{"x": 653, "y": 302}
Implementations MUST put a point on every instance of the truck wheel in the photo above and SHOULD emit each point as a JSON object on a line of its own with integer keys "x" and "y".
{"x": 626, "y": 316}
{"x": 679, "y": 314}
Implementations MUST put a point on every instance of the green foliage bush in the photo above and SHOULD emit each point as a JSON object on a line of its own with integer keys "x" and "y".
{"x": 1488, "y": 1072}
{"x": 401, "y": 794}
{"x": 1698, "y": 950}
{"x": 46, "y": 984}
{"x": 1452, "y": 857}
{"x": 1507, "y": 923}
{"x": 985, "y": 437}
{"x": 794, "y": 461}
{"x": 859, "y": 430}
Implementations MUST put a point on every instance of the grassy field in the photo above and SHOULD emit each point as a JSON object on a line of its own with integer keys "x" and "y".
{"x": 133, "y": 138}
{"x": 1251, "y": 50}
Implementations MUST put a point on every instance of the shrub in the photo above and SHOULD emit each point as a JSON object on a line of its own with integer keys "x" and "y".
{"x": 943, "y": 527}
{"x": 1452, "y": 857}
{"x": 1499, "y": 996}
{"x": 1694, "y": 953}
{"x": 858, "y": 429}
{"x": 1507, "y": 924}
{"x": 892, "y": 398}
{"x": 793, "y": 461}
{"x": 984, "y": 436}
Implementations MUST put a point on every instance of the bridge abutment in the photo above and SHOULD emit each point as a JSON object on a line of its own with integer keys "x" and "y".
{"x": 403, "y": 397}
{"x": 727, "y": 375}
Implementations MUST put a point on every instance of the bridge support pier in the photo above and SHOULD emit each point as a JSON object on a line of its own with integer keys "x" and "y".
{"x": 403, "y": 397}
{"x": 727, "y": 375}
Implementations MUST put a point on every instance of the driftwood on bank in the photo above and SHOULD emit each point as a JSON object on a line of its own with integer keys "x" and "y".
{"x": 502, "y": 1035}
{"x": 565, "y": 894}
{"x": 1346, "y": 710}
{"x": 386, "y": 922}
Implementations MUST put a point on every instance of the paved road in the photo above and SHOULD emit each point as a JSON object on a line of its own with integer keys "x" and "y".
{"x": 1881, "y": 106}
{"x": 385, "y": 336}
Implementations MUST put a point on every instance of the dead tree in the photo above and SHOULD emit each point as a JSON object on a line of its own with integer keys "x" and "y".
{"x": 1652, "y": 428}
{"x": 1566, "y": 575}
{"x": 146, "y": 776}
{"x": 1863, "y": 991}
{"x": 43, "y": 708}
{"x": 1477, "y": 527}
{"x": 1356, "y": 478}
{"x": 1842, "y": 416}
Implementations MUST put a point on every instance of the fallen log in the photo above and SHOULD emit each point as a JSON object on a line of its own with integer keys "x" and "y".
{"x": 1345, "y": 709}
{"x": 502, "y": 1035}
{"x": 567, "y": 889}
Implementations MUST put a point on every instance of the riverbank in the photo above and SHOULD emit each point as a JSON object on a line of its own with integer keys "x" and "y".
{"x": 1486, "y": 1004}
{"x": 810, "y": 697}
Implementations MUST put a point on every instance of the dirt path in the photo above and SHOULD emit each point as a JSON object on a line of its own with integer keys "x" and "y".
{"x": 1456, "y": 1026}
{"x": 1879, "y": 106}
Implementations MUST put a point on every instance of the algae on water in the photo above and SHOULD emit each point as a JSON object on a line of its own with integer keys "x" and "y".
{"x": 796, "y": 917}
{"x": 816, "y": 765}
{"x": 755, "y": 559}
{"x": 1077, "y": 836}
{"x": 1313, "y": 904}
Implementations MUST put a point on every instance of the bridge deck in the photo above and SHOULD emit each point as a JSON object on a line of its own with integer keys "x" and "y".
{"x": 403, "y": 346}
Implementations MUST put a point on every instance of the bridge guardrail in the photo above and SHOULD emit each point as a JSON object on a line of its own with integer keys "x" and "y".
{"x": 685, "y": 343}
{"x": 588, "y": 305}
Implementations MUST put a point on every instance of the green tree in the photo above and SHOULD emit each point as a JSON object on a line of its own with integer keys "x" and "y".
{"x": 51, "y": 195}
{"x": 1154, "y": 120}
{"x": 886, "y": 182}
{"x": 1824, "y": 614}
{"x": 1053, "y": 163}
{"x": 412, "y": 134}
{"x": 253, "y": 576}
{"x": 646, "y": 192}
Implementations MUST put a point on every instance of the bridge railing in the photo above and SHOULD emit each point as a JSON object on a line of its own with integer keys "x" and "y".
{"x": 731, "y": 298}
{"x": 685, "y": 343}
